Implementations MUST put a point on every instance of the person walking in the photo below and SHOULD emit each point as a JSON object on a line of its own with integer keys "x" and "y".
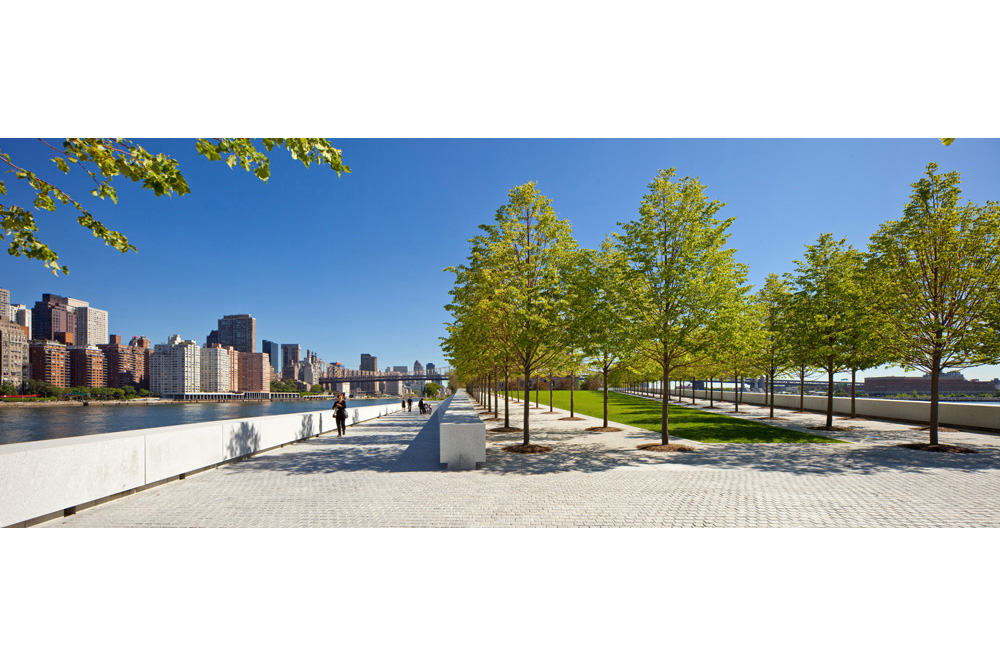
{"x": 421, "y": 405}
{"x": 409, "y": 402}
{"x": 340, "y": 412}
{"x": 404, "y": 405}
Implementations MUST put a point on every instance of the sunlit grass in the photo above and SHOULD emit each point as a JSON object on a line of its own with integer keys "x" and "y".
{"x": 689, "y": 423}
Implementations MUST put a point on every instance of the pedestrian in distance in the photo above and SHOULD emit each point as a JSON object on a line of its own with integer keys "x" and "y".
{"x": 404, "y": 405}
{"x": 421, "y": 406}
{"x": 340, "y": 412}
{"x": 409, "y": 402}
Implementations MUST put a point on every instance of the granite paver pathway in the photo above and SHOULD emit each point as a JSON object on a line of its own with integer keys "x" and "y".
{"x": 385, "y": 473}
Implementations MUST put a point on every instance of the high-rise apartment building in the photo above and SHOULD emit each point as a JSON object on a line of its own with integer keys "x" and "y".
{"x": 21, "y": 314}
{"x": 127, "y": 365}
{"x": 290, "y": 355}
{"x": 53, "y": 315}
{"x": 254, "y": 372}
{"x": 5, "y": 305}
{"x": 49, "y": 362}
{"x": 238, "y": 331}
{"x": 13, "y": 353}
{"x": 91, "y": 325}
{"x": 175, "y": 367}
{"x": 87, "y": 367}
{"x": 273, "y": 351}
{"x": 368, "y": 363}
{"x": 215, "y": 369}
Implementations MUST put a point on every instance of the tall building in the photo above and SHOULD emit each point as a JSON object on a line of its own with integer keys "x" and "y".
{"x": 53, "y": 315}
{"x": 13, "y": 353}
{"x": 87, "y": 367}
{"x": 290, "y": 355}
{"x": 5, "y": 305}
{"x": 127, "y": 365}
{"x": 430, "y": 368}
{"x": 238, "y": 331}
{"x": 368, "y": 363}
{"x": 49, "y": 362}
{"x": 175, "y": 367}
{"x": 215, "y": 369}
{"x": 21, "y": 314}
{"x": 417, "y": 368}
{"x": 254, "y": 372}
{"x": 401, "y": 369}
{"x": 91, "y": 326}
{"x": 272, "y": 350}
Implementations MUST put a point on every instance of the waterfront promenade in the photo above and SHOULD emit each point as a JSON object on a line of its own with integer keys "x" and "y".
{"x": 385, "y": 473}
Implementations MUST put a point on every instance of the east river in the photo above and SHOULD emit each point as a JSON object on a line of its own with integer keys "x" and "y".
{"x": 25, "y": 424}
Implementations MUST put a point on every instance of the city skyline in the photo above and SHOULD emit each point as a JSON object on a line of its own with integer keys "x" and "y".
{"x": 363, "y": 269}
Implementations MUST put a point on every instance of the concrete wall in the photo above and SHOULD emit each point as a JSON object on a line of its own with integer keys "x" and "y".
{"x": 951, "y": 414}
{"x": 47, "y": 476}
{"x": 462, "y": 434}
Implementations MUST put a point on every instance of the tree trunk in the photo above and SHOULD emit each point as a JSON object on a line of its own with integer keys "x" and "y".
{"x": 771, "y": 382}
{"x": 550, "y": 393}
{"x": 506, "y": 399}
{"x": 829, "y": 397}
{"x": 604, "y": 370}
{"x": 665, "y": 429}
{"x": 736, "y": 391}
{"x": 572, "y": 391}
{"x": 711, "y": 392}
{"x": 527, "y": 404}
{"x": 802, "y": 389}
{"x": 935, "y": 372}
{"x": 496, "y": 395}
{"x": 853, "y": 372}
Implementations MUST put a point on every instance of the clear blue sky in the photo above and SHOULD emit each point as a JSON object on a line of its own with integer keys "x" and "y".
{"x": 353, "y": 265}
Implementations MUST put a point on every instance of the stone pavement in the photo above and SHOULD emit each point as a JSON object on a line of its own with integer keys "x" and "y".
{"x": 385, "y": 473}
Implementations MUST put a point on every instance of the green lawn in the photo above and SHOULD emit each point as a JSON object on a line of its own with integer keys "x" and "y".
{"x": 690, "y": 423}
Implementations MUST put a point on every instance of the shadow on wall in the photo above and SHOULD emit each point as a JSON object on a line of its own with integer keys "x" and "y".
{"x": 305, "y": 427}
{"x": 244, "y": 440}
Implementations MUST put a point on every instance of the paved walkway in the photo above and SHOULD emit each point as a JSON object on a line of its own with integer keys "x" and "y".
{"x": 385, "y": 473}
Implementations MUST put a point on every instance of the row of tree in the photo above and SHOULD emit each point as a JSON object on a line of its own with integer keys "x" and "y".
{"x": 665, "y": 299}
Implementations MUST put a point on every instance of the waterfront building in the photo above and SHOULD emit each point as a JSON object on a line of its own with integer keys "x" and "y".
{"x": 13, "y": 353}
{"x": 87, "y": 367}
{"x": 53, "y": 315}
{"x": 175, "y": 367}
{"x": 234, "y": 369}
{"x": 368, "y": 363}
{"x": 145, "y": 349}
{"x": 5, "y": 312}
{"x": 127, "y": 365}
{"x": 91, "y": 326}
{"x": 254, "y": 373}
{"x": 238, "y": 331}
{"x": 948, "y": 383}
{"x": 48, "y": 361}
{"x": 393, "y": 387}
{"x": 215, "y": 369}
{"x": 21, "y": 314}
{"x": 272, "y": 350}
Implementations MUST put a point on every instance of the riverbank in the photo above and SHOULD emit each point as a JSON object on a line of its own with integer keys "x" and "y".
{"x": 142, "y": 402}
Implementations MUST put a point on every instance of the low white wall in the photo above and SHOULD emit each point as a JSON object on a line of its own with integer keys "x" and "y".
{"x": 46, "y": 476}
{"x": 951, "y": 414}
{"x": 463, "y": 434}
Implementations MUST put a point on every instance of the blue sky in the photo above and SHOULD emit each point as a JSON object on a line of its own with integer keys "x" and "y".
{"x": 355, "y": 264}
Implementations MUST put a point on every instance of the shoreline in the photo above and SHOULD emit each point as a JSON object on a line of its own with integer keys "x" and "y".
{"x": 160, "y": 401}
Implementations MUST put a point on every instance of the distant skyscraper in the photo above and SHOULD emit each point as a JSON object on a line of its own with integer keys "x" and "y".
{"x": 290, "y": 354}
{"x": 13, "y": 353}
{"x": 21, "y": 314}
{"x": 273, "y": 351}
{"x": 368, "y": 363}
{"x": 91, "y": 326}
{"x": 175, "y": 367}
{"x": 430, "y": 368}
{"x": 238, "y": 331}
{"x": 53, "y": 315}
{"x": 5, "y": 305}
{"x": 401, "y": 369}
{"x": 417, "y": 368}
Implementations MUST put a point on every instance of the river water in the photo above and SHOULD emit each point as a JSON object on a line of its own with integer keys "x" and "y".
{"x": 24, "y": 424}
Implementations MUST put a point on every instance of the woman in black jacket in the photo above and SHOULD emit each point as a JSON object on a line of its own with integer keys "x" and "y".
{"x": 340, "y": 412}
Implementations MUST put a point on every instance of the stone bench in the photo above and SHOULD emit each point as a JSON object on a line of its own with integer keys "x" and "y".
{"x": 462, "y": 434}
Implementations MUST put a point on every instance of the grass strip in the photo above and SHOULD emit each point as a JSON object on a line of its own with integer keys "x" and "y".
{"x": 690, "y": 423}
